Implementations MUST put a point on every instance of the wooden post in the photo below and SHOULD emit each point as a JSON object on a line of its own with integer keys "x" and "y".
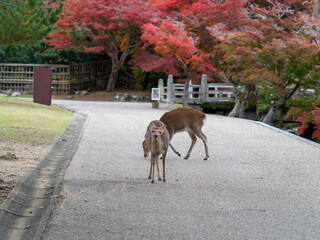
{"x": 204, "y": 87}
{"x": 155, "y": 97}
{"x": 155, "y": 104}
{"x": 42, "y": 85}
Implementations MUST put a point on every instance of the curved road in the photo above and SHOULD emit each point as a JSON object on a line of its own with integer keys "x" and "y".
{"x": 258, "y": 183}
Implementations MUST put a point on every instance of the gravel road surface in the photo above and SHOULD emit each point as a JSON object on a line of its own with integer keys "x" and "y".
{"x": 258, "y": 183}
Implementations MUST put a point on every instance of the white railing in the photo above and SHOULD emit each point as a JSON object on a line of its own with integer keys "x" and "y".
{"x": 205, "y": 92}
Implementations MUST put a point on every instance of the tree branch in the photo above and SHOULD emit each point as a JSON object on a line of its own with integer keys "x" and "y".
{"x": 8, "y": 4}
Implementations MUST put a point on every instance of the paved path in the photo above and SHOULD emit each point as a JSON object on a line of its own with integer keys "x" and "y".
{"x": 257, "y": 184}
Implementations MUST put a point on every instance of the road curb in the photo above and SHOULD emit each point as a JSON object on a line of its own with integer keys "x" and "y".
{"x": 289, "y": 134}
{"x": 275, "y": 129}
{"x": 25, "y": 213}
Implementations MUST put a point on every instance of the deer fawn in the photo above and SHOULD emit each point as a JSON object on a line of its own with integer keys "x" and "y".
{"x": 183, "y": 119}
{"x": 157, "y": 140}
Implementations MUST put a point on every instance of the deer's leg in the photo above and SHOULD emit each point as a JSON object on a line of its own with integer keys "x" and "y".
{"x": 164, "y": 166}
{"x": 193, "y": 142}
{"x": 153, "y": 160}
{"x": 204, "y": 140}
{"x": 176, "y": 152}
{"x": 150, "y": 168}
{"x": 171, "y": 133}
{"x": 158, "y": 171}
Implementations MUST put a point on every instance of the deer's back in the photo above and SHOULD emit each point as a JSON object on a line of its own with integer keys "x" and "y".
{"x": 182, "y": 119}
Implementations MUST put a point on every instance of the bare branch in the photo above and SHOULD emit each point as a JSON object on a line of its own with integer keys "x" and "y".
{"x": 8, "y": 4}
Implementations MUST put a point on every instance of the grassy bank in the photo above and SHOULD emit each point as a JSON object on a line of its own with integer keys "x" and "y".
{"x": 24, "y": 121}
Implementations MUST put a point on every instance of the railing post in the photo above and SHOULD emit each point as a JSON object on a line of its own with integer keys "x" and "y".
{"x": 204, "y": 87}
{"x": 170, "y": 91}
{"x": 160, "y": 86}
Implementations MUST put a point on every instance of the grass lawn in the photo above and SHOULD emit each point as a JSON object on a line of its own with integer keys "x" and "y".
{"x": 24, "y": 121}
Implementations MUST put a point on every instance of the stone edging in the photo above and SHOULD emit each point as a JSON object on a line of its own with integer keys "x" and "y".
{"x": 25, "y": 213}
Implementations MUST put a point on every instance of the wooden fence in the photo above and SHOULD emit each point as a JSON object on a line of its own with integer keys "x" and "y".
{"x": 206, "y": 92}
{"x": 66, "y": 79}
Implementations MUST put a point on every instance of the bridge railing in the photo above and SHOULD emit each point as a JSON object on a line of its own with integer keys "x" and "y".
{"x": 205, "y": 92}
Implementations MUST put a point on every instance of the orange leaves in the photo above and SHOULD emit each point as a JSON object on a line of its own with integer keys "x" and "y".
{"x": 83, "y": 37}
{"x": 124, "y": 42}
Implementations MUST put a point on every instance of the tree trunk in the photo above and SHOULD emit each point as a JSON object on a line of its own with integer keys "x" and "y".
{"x": 236, "y": 109}
{"x": 240, "y": 106}
{"x": 243, "y": 104}
{"x": 316, "y": 9}
{"x": 243, "y": 108}
{"x": 112, "y": 79}
{"x": 146, "y": 81}
{"x": 269, "y": 118}
{"x": 117, "y": 62}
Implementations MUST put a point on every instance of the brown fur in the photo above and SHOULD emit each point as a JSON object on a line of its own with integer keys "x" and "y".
{"x": 184, "y": 119}
{"x": 157, "y": 141}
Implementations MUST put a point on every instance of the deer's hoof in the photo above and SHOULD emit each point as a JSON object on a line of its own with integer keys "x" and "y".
{"x": 159, "y": 178}
{"x": 149, "y": 177}
{"x": 164, "y": 180}
{"x": 152, "y": 181}
{"x": 205, "y": 159}
{"x": 186, "y": 158}
{"x": 179, "y": 154}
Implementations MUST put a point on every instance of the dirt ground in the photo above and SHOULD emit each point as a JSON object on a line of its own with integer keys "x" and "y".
{"x": 103, "y": 95}
{"x": 17, "y": 159}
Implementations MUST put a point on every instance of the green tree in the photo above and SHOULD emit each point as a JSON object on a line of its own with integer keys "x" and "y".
{"x": 287, "y": 67}
{"x": 25, "y": 22}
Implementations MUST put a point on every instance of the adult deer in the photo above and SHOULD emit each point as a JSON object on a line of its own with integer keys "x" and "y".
{"x": 157, "y": 139}
{"x": 183, "y": 119}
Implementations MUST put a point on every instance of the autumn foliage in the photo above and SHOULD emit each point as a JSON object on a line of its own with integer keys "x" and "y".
{"x": 267, "y": 49}
{"x": 312, "y": 117}
{"x": 103, "y": 26}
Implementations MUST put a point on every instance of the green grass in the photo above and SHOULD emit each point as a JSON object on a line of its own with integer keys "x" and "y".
{"x": 24, "y": 121}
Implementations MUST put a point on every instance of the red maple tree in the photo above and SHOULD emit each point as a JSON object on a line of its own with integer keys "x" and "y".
{"x": 103, "y": 26}
{"x": 310, "y": 118}
{"x": 185, "y": 37}
{"x": 171, "y": 41}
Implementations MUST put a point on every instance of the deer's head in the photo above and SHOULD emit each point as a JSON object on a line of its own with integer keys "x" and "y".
{"x": 156, "y": 132}
{"x": 146, "y": 148}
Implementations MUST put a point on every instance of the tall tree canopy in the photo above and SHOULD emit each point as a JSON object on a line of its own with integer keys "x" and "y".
{"x": 276, "y": 55}
{"x": 170, "y": 39}
{"x": 104, "y": 26}
{"x": 186, "y": 35}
